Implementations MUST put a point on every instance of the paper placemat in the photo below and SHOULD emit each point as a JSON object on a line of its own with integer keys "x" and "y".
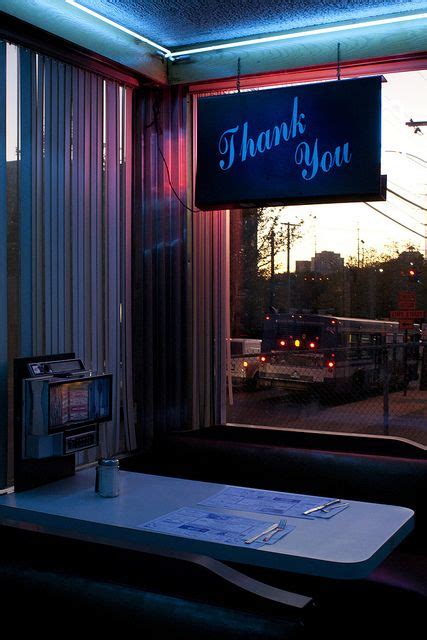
{"x": 213, "y": 527}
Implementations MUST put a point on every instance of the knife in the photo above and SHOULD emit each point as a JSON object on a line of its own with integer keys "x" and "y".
{"x": 271, "y": 528}
{"x": 321, "y": 506}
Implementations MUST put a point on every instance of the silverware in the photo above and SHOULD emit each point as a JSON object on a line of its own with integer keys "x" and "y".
{"x": 270, "y": 528}
{"x": 335, "y": 506}
{"x": 280, "y": 527}
{"x": 321, "y": 506}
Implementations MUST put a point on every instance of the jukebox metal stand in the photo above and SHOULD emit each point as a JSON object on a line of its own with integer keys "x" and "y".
{"x": 58, "y": 407}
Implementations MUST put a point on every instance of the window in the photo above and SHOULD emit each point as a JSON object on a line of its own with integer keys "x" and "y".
{"x": 317, "y": 285}
{"x": 68, "y": 211}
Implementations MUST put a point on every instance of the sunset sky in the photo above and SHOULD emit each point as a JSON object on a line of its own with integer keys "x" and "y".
{"x": 333, "y": 227}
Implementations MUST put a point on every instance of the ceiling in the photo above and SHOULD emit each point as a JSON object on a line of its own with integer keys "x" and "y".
{"x": 175, "y": 24}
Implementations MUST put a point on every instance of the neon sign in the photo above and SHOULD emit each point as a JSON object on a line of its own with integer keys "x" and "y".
{"x": 293, "y": 145}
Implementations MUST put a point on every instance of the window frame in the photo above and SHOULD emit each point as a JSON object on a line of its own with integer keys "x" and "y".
{"x": 411, "y": 61}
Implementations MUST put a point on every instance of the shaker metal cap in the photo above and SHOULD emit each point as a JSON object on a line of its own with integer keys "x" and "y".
{"x": 109, "y": 462}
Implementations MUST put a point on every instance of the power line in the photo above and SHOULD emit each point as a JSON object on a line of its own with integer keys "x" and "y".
{"x": 402, "y": 188}
{"x": 405, "y": 213}
{"x": 411, "y": 156}
{"x": 406, "y": 200}
{"x": 396, "y": 221}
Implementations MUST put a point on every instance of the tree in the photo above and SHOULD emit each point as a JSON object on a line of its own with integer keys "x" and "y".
{"x": 275, "y": 236}
{"x": 247, "y": 287}
{"x": 258, "y": 238}
{"x": 373, "y": 288}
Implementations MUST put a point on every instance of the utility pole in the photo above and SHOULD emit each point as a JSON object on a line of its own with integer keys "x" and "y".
{"x": 272, "y": 267}
{"x": 358, "y": 247}
{"x": 289, "y": 232}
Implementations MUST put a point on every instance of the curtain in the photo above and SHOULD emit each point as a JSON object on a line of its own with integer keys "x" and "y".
{"x": 75, "y": 226}
{"x": 180, "y": 276}
{"x": 162, "y": 329}
{"x": 210, "y": 310}
{"x": 210, "y": 306}
{"x": 3, "y": 274}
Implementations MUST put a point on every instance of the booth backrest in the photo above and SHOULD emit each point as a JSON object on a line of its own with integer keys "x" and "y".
{"x": 355, "y": 476}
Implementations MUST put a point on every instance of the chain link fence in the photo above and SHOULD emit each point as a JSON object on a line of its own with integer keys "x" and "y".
{"x": 371, "y": 389}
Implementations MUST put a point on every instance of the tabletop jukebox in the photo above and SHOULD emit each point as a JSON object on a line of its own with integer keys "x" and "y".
{"x": 62, "y": 406}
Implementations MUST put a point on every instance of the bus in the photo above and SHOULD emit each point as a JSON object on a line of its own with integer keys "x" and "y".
{"x": 244, "y": 364}
{"x": 336, "y": 355}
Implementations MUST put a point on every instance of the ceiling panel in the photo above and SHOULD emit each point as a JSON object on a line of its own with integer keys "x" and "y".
{"x": 174, "y": 23}
{"x": 177, "y": 23}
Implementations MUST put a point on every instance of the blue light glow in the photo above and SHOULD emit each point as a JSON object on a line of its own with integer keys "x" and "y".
{"x": 166, "y": 52}
{"x": 299, "y": 34}
{"x": 171, "y": 55}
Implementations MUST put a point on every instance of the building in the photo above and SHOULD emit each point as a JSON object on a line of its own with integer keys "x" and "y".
{"x": 302, "y": 266}
{"x": 327, "y": 262}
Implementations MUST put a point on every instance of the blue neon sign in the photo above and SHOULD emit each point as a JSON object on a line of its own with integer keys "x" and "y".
{"x": 293, "y": 145}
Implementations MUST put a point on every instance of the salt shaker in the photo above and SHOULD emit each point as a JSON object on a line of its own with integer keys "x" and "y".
{"x": 107, "y": 478}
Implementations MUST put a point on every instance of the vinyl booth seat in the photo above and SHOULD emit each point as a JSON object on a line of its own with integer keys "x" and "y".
{"x": 59, "y": 580}
{"x": 61, "y": 584}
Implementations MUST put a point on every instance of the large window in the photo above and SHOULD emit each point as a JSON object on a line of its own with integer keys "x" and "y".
{"x": 312, "y": 292}
{"x": 67, "y": 157}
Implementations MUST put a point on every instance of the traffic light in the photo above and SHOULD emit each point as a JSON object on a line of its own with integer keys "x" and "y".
{"x": 412, "y": 274}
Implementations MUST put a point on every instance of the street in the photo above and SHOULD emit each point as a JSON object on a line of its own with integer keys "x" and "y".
{"x": 278, "y": 408}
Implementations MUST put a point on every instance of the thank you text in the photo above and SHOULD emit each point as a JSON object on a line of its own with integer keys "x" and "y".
{"x": 307, "y": 143}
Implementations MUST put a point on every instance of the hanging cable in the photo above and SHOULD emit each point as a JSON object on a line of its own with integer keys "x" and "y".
{"x": 405, "y": 213}
{"x": 420, "y": 161}
{"x": 395, "y": 221}
{"x": 338, "y": 61}
{"x": 414, "y": 204}
{"x": 402, "y": 188}
{"x": 157, "y": 102}
{"x": 238, "y": 76}
{"x": 158, "y": 129}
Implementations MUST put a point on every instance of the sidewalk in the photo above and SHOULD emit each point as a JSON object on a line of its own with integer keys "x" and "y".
{"x": 407, "y": 414}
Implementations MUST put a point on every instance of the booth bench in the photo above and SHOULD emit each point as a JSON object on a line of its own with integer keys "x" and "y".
{"x": 128, "y": 590}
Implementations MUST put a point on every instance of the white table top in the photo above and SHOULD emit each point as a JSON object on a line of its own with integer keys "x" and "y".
{"x": 349, "y": 545}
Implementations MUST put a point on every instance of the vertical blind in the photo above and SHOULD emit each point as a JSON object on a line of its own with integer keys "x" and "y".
{"x": 79, "y": 285}
{"x": 210, "y": 308}
{"x": 180, "y": 275}
{"x": 3, "y": 272}
{"x": 74, "y": 192}
{"x": 161, "y": 293}
{"x": 210, "y": 312}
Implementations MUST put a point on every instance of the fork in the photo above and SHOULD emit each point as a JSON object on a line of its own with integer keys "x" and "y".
{"x": 280, "y": 527}
{"x": 272, "y": 527}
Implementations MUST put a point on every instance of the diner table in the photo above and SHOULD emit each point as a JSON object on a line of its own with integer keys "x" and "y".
{"x": 348, "y": 544}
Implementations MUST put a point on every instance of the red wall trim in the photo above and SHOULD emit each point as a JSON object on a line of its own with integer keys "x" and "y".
{"x": 394, "y": 64}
